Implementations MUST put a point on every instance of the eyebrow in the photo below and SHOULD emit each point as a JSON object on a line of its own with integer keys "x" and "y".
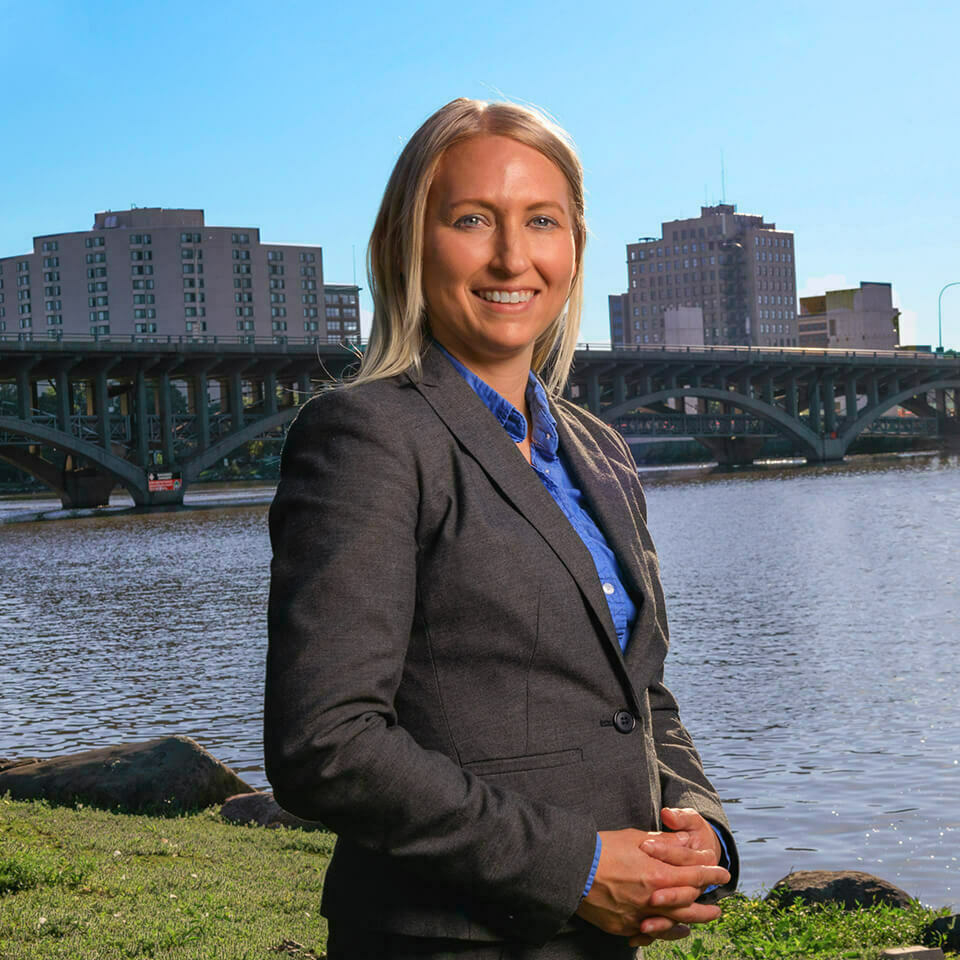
{"x": 476, "y": 202}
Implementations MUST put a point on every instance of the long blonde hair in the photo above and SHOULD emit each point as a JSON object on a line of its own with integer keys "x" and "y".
{"x": 395, "y": 253}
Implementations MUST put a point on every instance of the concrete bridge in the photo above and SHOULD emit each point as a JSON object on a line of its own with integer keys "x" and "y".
{"x": 153, "y": 416}
{"x": 149, "y": 416}
{"x": 820, "y": 400}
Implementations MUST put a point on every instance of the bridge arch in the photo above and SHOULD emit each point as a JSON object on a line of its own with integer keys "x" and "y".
{"x": 126, "y": 473}
{"x": 870, "y": 414}
{"x": 798, "y": 433}
{"x": 193, "y": 467}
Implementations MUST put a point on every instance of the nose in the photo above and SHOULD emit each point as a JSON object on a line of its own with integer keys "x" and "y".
{"x": 510, "y": 256}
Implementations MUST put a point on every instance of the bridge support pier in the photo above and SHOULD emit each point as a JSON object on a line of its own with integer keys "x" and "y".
{"x": 829, "y": 450}
{"x": 86, "y": 487}
{"x": 733, "y": 451}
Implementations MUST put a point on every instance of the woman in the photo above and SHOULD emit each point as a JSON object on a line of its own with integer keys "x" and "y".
{"x": 467, "y": 629}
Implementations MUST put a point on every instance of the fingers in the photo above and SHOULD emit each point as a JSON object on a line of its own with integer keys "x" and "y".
{"x": 687, "y": 821}
{"x": 676, "y": 854}
{"x": 659, "y": 927}
{"x": 684, "y": 877}
{"x": 679, "y": 818}
{"x": 687, "y": 911}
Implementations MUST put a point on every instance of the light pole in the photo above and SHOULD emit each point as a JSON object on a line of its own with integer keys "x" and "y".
{"x": 954, "y": 283}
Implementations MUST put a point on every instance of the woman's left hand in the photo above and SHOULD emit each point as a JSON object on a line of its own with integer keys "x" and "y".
{"x": 685, "y": 820}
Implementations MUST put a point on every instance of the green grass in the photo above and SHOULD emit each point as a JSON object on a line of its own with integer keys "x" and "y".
{"x": 89, "y": 884}
{"x": 752, "y": 929}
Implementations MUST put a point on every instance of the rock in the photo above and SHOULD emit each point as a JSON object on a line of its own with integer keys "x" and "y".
{"x": 166, "y": 775}
{"x": 8, "y": 763}
{"x": 943, "y": 932}
{"x": 850, "y": 888}
{"x": 913, "y": 953}
{"x": 261, "y": 809}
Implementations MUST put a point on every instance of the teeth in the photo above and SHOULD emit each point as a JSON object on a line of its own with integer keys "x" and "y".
{"x": 506, "y": 296}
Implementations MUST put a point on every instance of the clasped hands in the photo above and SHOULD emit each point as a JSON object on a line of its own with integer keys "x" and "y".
{"x": 647, "y": 884}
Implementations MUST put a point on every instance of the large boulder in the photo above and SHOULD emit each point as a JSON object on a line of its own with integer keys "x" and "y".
{"x": 166, "y": 775}
{"x": 850, "y": 888}
{"x": 262, "y": 810}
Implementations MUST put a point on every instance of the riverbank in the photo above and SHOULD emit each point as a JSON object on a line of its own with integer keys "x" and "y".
{"x": 80, "y": 883}
{"x": 31, "y": 507}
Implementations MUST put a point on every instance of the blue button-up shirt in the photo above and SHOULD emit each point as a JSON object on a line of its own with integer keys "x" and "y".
{"x": 551, "y": 467}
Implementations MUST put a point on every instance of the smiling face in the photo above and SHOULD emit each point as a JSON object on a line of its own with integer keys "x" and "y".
{"x": 499, "y": 252}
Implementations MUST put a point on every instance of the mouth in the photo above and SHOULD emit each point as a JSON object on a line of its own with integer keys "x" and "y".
{"x": 506, "y": 296}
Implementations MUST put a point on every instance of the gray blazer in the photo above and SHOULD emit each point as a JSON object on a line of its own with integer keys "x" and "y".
{"x": 444, "y": 688}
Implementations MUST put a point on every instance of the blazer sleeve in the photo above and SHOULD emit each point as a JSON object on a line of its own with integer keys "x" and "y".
{"x": 683, "y": 782}
{"x": 344, "y": 528}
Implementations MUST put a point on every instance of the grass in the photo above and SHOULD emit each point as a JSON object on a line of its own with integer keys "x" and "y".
{"x": 752, "y": 929}
{"x": 89, "y": 884}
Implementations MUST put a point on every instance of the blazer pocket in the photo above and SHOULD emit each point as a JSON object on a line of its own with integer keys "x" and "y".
{"x": 533, "y": 761}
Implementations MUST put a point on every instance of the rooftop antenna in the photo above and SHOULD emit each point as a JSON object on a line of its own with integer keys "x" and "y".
{"x": 723, "y": 180}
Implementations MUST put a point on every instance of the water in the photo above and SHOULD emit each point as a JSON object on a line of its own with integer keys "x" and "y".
{"x": 815, "y": 619}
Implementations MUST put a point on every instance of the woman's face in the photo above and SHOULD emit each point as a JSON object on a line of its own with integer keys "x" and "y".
{"x": 499, "y": 249}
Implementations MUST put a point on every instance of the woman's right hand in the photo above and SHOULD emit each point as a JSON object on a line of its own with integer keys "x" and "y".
{"x": 644, "y": 896}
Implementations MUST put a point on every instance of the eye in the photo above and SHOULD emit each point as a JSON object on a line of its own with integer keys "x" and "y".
{"x": 469, "y": 220}
{"x": 543, "y": 222}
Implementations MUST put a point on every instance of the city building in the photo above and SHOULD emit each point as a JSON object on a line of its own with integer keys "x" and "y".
{"x": 862, "y": 318}
{"x": 342, "y": 311}
{"x": 737, "y": 269}
{"x": 151, "y": 273}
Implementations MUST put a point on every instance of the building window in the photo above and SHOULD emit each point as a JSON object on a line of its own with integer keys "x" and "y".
{"x": 272, "y": 254}
{"x": 240, "y": 238}
{"x": 190, "y": 238}
{"x": 94, "y": 242}
{"x": 49, "y": 246}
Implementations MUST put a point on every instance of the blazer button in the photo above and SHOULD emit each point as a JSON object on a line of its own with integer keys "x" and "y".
{"x": 624, "y": 721}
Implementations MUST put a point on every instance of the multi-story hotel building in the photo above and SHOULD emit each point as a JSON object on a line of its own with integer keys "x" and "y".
{"x": 862, "y": 318}
{"x": 152, "y": 273}
{"x": 736, "y": 269}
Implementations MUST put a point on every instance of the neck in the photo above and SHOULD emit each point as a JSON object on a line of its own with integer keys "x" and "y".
{"x": 507, "y": 375}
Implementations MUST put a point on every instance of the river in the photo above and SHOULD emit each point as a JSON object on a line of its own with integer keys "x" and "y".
{"x": 815, "y": 620}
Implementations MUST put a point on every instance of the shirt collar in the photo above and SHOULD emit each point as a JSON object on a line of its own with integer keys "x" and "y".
{"x": 544, "y": 433}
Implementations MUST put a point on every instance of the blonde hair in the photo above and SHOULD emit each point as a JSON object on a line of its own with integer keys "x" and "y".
{"x": 395, "y": 253}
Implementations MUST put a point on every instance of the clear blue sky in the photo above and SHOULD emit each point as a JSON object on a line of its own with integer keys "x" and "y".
{"x": 837, "y": 120}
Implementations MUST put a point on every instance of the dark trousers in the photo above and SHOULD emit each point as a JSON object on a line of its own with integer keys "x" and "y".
{"x": 354, "y": 944}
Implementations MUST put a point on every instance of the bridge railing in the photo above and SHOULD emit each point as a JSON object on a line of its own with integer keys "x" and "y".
{"x": 694, "y": 425}
{"x": 356, "y": 343}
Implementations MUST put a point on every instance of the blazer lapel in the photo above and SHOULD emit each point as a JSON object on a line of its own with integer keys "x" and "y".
{"x": 614, "y": 514}
{"x": 488, "y": 443}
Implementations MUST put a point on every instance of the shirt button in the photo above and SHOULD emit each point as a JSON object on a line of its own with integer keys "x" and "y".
{"x": 608, "y": 589}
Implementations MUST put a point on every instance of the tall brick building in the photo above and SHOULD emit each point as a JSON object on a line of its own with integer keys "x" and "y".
{"x": 151, "y": 273}
{"x": 736, "y": 269}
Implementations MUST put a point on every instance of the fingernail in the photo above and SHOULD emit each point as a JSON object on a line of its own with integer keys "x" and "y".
{"x": 648, "y": 845}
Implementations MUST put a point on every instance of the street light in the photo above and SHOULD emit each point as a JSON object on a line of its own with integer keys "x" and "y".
{"x": 954, "y": 283}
